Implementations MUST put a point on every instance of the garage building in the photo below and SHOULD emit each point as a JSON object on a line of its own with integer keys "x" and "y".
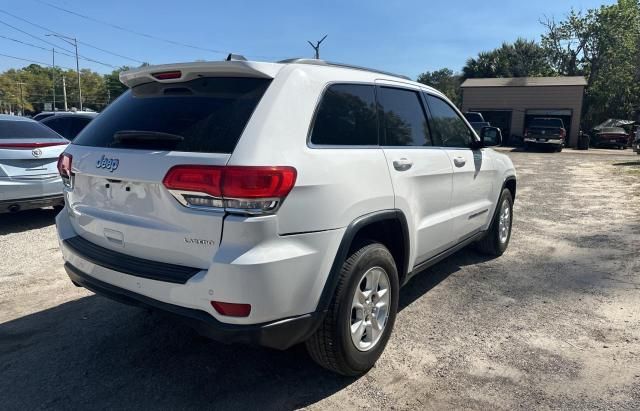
{"x": 511, "y": 103}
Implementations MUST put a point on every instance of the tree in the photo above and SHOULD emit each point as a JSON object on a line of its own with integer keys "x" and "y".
{"x": 603, "y": 45}
{"x": 523, "y": 58}
{"x": 444, "y": 80}
{"x": 38, "y": 84}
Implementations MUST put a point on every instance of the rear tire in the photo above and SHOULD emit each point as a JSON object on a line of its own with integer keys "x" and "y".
{"x": 334, "y": 345}
{"x": 496, "y": 241}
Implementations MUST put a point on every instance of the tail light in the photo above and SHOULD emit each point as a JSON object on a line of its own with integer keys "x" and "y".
{"x": 167, "y": 75}
{"x": 563, "y": 132}
{"x": 64, "y": 168}
{"x": 239, "y": 189}
{"x": 526, "y": 133}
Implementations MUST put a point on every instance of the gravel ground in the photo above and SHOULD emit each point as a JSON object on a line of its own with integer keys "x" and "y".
{"x": 554, "y": 323}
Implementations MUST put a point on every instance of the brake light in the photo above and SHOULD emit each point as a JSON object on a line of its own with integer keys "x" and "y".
{"x": 167, "y": 75}
{"x": 563, "y": 132}
{"x": 252, "y": 190}
{"x": 232, "y": 309}
{"x": 31, "y": 146}
{"x": 64, "y": 168}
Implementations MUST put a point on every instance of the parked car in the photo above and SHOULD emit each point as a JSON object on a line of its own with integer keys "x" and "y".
{"x": 28, "y": 155}
{"x": 69, "y": 124}
{"x": 545, "y": 132}
{"x": 612, "y": 134}
{"x": 477, "y": 122}
{"x": 333, "y": 185}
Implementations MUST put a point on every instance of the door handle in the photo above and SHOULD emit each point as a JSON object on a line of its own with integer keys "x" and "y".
{"x": 403, "y": 164}
{"x": 459, "y": 161}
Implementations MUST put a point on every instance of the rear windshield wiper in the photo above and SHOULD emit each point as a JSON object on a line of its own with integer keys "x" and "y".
{"x": 142, "y": 136}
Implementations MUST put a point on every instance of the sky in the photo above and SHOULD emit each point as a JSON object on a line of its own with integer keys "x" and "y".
{"x": 405, "y": 37}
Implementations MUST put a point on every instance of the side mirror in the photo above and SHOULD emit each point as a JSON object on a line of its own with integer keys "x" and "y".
{"x": 490, "y": 136}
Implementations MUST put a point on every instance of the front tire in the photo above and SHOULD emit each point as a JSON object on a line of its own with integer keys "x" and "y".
{"x": 361, "y": 315}
{"x": 496, "y": 241}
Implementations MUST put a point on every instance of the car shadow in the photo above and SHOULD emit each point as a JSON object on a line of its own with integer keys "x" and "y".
{"x": 94, "y": 352}
{"x": 628, "y": 164}
{"x": 429, "y": 278}
{"x": 26, "y": 220}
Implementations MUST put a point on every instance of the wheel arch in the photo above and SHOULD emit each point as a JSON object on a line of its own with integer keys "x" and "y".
{"x": 388, "y": 227}
{"x": 510, "y": 184}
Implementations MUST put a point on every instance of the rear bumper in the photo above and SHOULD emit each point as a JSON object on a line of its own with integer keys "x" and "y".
{"x": 281, "y": 278}
{"x": 280, "y": 334}
{"x": 7, "y": 206}
{"x": 545, "y": 142}
{"x": 17, "y": 188}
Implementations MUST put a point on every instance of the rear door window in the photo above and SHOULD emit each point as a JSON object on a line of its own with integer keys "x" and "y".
{"x": 404, "y": 119}
{"x": 346, "y": 116}
{"x": 203, "y": 115}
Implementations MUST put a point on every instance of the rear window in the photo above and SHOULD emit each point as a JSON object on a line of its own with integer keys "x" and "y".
{"x": 547, "y": 122}
{"x": 346, "y": 116}
{"x": 25, "y": 129}
{"x": 209, "y": 114}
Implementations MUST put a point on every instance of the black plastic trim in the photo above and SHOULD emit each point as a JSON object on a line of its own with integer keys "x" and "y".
{"x": 127, "y": 264}
{"x": 280, "y": 334}
{"x": 446, "y": 253}
{"x": 345, "y": 245}
{"x": 33, "y": 202}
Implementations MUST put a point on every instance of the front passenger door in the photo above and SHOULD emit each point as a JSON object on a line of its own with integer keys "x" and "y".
{"x": 473, "y": 172}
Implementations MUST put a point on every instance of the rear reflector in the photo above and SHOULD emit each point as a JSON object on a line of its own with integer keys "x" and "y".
{"x": 31, "y": 146}
{"x": 252, "y": 189}
{"x": 232, "y": 309}
{"x": 167, "y": 75}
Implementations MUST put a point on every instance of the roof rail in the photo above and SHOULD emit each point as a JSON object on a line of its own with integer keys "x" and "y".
{"x": 333, "y": 64}
{"x": 235, "y": 57}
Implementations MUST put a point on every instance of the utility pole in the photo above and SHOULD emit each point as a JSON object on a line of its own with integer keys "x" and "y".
{"x": 74, "y": 42}
{"x": 64, "y": 92}
{"x": 21, "y": 98}
{"x": 108, "y": 94}
{"x": 316, "y": 47}
{"x": 53, "y": 77}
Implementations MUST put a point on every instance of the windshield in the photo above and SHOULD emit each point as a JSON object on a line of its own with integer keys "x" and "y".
{"x": 25, "y": 129}
{"x": 547, "y": 122}
{"x": 209, "y": 114}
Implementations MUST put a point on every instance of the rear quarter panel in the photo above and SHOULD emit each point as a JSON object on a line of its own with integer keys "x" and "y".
{"x": 334, "y": 186}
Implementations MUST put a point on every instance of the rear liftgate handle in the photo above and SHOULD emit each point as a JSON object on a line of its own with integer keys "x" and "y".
{"x": 403, "y": 164}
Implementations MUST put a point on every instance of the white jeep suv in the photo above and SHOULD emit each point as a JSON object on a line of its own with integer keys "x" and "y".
{"x": 278, "y": 203}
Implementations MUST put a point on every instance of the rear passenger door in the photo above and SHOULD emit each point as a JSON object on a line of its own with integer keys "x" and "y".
{"x": 421, "y": 173}
{"x": 473, "y": 171}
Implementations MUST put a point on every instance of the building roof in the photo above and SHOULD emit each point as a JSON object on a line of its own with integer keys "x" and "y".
{"x": 525, "y": 82}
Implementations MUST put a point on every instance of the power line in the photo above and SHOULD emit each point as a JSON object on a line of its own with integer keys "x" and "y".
{"x": 31, "y": 61}
{"x": 139, "y": 33}
{"x": 55, "y": 45}
{"x": 38, "y": 47}
{"x": 80, "y": 42}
